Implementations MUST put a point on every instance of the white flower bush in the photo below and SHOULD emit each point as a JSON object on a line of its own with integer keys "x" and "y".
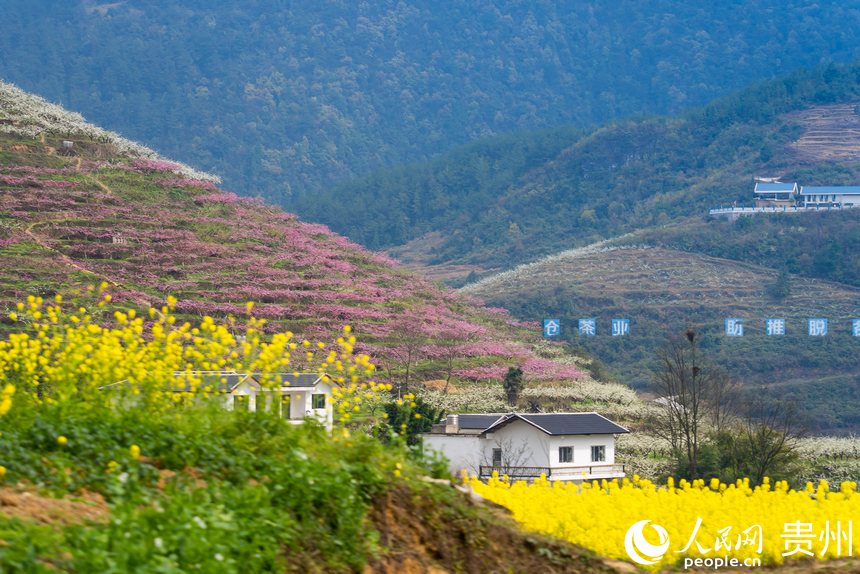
{"x": 828, "y": 447}
{"x": 474, "y": 399}
{"x": 32, "y": 116}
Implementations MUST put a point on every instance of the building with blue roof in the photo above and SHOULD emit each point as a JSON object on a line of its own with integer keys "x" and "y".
{"x": 829, "y": 196}
{"x": 775, "y": 194}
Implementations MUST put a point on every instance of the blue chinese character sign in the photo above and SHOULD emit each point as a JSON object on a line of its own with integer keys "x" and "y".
{"x": 551, "y": 327}
{"x": 734, "y": 327}
{"x": 818, "y": 327}
{"x": 587, "y": 327}
{"x": 774, "y": 327}
{"x": 620, "y": 327}
{"x": 855, "y": 327}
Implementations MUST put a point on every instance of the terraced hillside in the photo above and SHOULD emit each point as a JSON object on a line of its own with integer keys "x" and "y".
{"x": 664, "y": 291}
{"x": 831, "y": 133}
{"x": 80, "y": 206}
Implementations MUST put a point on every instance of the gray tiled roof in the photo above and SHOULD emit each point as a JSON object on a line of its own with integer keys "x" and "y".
{"x": 564, "y": 423}
{"x": 215, "y": 381}
{"x": 477, "y": 421}
{"x": 291, "y": 380}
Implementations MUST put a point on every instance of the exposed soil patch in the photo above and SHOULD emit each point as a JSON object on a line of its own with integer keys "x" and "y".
{"x": 419, "y": 534}
{"x": 26, "y": 505}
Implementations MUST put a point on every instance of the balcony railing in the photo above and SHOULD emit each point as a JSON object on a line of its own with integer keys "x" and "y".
{"x": 558, "y": 473}
{"x": 514, "y": 472}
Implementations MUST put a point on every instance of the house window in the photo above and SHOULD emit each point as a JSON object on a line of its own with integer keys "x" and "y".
{"x": 241, "y": 402}
{"x": 318, "y": 401}
{"x": 565, "y": 454}
{"x": 497, "y": 457}
{"x": 285, "y": 406}
{"x": 598, "y": 453}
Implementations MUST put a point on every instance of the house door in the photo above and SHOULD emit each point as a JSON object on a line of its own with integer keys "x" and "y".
{"x": 285, "y": 406}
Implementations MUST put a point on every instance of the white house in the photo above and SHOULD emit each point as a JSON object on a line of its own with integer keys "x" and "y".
{"x": 294, "y": 396}
{"x": 563, "y": 446}
{"x": 772, "y": 194}
{"x": 830, "y": 196}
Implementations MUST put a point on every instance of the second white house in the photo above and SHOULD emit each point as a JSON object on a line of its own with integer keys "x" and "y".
{"x": 562, "y": 446}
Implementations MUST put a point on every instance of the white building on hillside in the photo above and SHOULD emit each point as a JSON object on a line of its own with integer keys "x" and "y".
{"x": 829, "y": 196}
{"x": 293, "y": 396}
{"x": 775, "y": 194}
{"x": 563, "y": 446}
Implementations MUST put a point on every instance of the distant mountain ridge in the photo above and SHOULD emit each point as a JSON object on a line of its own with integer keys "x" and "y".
{"x": 504, "y": 201}
{"x": 286, "y": 98}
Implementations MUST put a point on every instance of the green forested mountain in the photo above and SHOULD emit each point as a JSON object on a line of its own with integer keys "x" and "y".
{"x": 643, "y": 187}
{"x": 285, "y": 97}
{"x": 494, "y": 204}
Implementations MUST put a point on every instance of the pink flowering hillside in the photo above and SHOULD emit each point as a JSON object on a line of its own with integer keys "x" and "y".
{"x": 80, "y": 214}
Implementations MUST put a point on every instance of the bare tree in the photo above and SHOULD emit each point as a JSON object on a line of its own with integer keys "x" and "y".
{"x": 452, "y": 342}
{"x": 766, "y": 438}
{"x": 514, "y": 454}
{"x": 692, "y": 390}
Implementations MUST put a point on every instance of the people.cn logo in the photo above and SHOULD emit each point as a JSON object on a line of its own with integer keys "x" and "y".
{"x": 640, "y": 550}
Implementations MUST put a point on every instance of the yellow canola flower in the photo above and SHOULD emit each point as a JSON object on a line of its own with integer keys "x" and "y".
{"x": 134, "y": 450}
{"x": 597, "y": 515}
{"x": 62, "y": 441}
{"x": 6, "y": 399}
{"x": 72, "y": 356}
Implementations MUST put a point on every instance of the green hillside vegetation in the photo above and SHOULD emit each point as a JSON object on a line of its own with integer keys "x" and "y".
{"x": 204, "y": 489}
{"x": 617, "y": 179}
{"x": 290, "y": 97}
{"x": 821, "y": 245}
{"x": 664, "y": 292}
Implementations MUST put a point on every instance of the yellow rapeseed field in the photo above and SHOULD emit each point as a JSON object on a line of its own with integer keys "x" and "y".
{"x": 771, "y": 522}
{"x": 67, "y": 351}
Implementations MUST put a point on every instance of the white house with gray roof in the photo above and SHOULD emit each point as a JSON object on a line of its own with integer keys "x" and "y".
{"x": 292, "y": 396}
{"x": 562, "y": 446}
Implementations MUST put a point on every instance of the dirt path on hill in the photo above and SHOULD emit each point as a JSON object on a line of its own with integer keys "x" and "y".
{"x": 65, "y": 259}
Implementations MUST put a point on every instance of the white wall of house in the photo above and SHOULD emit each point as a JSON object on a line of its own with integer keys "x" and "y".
{"x": 299, "y": 404}
{"x": 247, "y": 391}
{"x": 462, "y": 451}
{"x": 844, "y": 199}
{"x": 326, "y": 414}
{"x": 581, "y": 449}
{"x": 521, "y": 444}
